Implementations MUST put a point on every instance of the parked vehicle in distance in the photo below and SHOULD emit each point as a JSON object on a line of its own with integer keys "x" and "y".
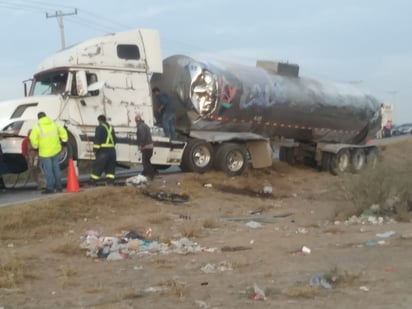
{"x": 402, "y": 129}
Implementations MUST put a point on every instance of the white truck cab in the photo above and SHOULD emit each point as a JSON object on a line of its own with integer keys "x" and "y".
{"x": 105, "y": 75}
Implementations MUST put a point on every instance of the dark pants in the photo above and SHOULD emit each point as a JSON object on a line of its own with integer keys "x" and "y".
{"x": 105, "y": 162}
{"x": 148, "y": 169}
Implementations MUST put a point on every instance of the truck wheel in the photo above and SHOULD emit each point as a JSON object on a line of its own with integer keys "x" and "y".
{"x": 358, "y": 160}
{"x": 325, "y": 163}
{"x": 197, "y": 157}
{"x": 372, "y": 159}
{"x": 283, "y": 153}
{"x": 231, "y": 159}
{"x": 291, "y": 156}
{"x": 340, "y": 162}
{"x": 65, "y": 155}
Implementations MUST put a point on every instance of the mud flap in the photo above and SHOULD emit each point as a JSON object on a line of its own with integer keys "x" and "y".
{"x": 260, "y": 153}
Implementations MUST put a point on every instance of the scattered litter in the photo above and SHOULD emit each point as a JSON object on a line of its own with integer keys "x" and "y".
{"x": 258, "y": 293}
{"x": 148, "y": 233}
{"x": 386, "y": 234}
{"x": 207, "y": 185}
{"x": 137, "y": 267}
{"x": 204, "y": 283}
{"x": 252, "y": 241}
{"x": 317, "y": 280}
{"x": 390, "y": 269}
{"x": 375, "y": 243}
{"x": 368, "y": 217}
{"x": 119, "y": 248}
{"x": 201, "y": 304}
{"x": 164, "y": 196}
{"x": 139, "y": 181}
{"x": 155, "y": 289}
{"x": 268, "y": 190}
{"x": 253, "y": 224}
{"x": 306, "y": 250}
{"x": 234, "y": 248}
{"x": 11, "y": 245}
{"x": 364, "y": 288}
{"x": 221, "y": 267}
{"x": 302, "y": 230}
{"x": 115, "y": 256}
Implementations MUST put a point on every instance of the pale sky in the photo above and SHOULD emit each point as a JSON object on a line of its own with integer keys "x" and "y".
{"x": 363, "y": 42}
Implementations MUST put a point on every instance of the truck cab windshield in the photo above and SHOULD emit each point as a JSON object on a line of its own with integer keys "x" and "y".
{"x": 49, "y": 83}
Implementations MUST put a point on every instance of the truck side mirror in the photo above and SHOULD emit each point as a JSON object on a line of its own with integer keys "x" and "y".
{"x": 96, "y": 86}
{"x": 81, "y": 83}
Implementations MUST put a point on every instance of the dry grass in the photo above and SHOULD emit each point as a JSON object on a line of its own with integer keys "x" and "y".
{"x": 192, "y": 230}
{"x": 163, "y": 263}
{"x": 65, "y": 274}
{"x": 53, "y": 215}
{"x": 69, "y": 248}
{"x": 158, "y": 219}
{"x": 342, "y": 278}
{"x": 175, "y": 287}
{"x": 303, "y": 292}
{"x": 240, "y": 263}
{"x": 211, "y": 224}
{"x": 376, "y": 186}
{"x": 14, "y": 271}
{"x": 332, "y": 230}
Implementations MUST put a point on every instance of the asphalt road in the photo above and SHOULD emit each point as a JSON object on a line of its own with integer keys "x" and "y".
{"x": 28, "y": 193}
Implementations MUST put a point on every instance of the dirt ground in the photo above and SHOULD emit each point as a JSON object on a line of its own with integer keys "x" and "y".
{"x": 42, "y": 265}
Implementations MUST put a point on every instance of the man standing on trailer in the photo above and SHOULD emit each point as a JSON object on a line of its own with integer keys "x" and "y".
{"x": 166, "y": 108}
{"x": 105, "y": 152}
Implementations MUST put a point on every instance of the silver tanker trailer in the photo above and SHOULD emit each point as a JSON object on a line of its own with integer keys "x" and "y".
{"x": 230, "y": 104}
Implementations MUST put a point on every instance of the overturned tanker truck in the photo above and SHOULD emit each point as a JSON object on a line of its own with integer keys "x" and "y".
{"x": 228, "y": 106}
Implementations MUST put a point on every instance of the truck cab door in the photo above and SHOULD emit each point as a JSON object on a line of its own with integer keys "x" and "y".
{"x": 84, "y": 104}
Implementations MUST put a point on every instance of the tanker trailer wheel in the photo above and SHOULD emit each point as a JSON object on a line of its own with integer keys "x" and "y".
{"x": 231, "y": 159}
{"x": 197, "y": 156}
{"x": 358, "y": 160}
{"x": 372, "y": 159}
{"x": 340, "y": 162}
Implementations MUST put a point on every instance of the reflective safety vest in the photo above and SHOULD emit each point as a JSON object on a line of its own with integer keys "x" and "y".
{"x": 109, "y": 142}
{"x": 47, "y": 136}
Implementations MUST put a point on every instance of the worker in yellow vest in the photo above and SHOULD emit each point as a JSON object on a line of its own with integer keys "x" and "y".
{"x": 105, "y": 152}
{"x": 48, "y": 137}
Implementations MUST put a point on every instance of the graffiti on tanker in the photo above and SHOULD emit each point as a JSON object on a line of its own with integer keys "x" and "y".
{"x": 263, "y": 95}
{"x": 227, "y": 92}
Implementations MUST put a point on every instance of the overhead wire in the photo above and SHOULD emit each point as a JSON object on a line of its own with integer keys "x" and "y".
{"x": 96, "y": 22}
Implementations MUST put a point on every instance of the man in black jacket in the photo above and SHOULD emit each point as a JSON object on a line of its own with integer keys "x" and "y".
{"x": 145, "y": 144}
{"x": 103, "y": 148}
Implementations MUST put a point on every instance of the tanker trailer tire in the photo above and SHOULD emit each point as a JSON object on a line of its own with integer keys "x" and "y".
{"x": 358, "y": 160}
{"x": 231, "y": 159}
{"x": 372, "y": 159}
{"x": 197, "y": 157}
{"x": 340, "y": 162}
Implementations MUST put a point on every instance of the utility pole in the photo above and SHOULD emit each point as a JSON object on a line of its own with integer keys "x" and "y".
{"x": 59, "y": 15}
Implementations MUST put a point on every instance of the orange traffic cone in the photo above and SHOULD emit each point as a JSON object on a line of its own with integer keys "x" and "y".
{"x": 72, "y": 182}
